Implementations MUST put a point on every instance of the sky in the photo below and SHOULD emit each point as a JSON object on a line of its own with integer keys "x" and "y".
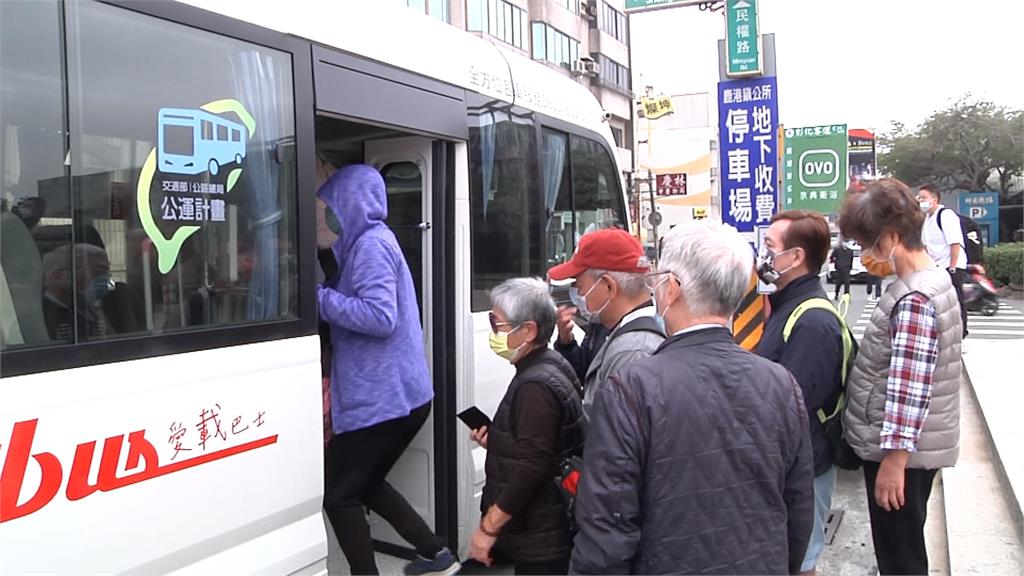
{"x": 860, "y": 62}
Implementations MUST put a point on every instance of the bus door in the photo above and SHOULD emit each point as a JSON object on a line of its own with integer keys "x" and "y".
{"x": 406, "y": 164}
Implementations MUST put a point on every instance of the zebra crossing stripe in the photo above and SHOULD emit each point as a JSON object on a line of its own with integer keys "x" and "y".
{"x": 983, "y": 332}
{"x": 971, "y": 324}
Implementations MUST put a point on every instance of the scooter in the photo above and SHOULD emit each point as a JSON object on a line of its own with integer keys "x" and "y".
{"x": 980, "y": 294}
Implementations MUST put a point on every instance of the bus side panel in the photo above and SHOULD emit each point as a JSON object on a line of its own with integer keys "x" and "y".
{"x": 470, "y": 456}
{"x": 165, "y": 462}
{"x": 483, "y": 376}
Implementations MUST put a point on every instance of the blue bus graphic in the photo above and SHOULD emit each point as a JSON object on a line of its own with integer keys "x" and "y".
{"x": 194, "y": 141}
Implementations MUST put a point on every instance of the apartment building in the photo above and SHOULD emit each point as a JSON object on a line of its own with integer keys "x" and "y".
{"x": 587, "y": 40}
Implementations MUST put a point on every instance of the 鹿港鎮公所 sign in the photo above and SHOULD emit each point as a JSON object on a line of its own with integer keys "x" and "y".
{"x": 747, "y": 125}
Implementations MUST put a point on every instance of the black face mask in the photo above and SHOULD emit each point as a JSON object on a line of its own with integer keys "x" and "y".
{"x": 766, "y": 266}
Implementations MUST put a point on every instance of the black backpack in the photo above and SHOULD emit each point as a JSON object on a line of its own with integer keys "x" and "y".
{"x": 971, "y": 233}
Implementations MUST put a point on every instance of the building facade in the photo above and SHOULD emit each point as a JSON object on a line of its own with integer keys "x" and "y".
{"x": 587, "y": 40}
{"x": 678, "y": 152}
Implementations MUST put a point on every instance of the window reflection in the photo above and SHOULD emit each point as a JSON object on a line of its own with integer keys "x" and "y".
{"x": 100, "y": 239}
{"x": 32, "y": 149}
{"x": 505, "y": 199}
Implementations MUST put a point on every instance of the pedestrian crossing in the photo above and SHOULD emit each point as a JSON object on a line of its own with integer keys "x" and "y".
{"x": 1008, "y": 323}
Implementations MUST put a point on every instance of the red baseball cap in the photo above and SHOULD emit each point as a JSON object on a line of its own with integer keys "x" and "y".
{"x": 611, "y": 249}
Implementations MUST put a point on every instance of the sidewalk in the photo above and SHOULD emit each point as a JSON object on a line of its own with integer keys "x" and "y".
{"x": 985, "y": 490}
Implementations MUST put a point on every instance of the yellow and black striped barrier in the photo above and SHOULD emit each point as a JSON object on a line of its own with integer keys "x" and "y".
{"x": 748, "y": 323}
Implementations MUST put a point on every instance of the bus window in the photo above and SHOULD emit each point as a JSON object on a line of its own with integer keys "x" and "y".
{"x": 107, "y": 265}
{"x": 404, "y": 184}
{"x": 597, "y": 196}
{"x": 505, "y": 201}
{"x": 557, "y": 196}
{"x": 35, "y": 200}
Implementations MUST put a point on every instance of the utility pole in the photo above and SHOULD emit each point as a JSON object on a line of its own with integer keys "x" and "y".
{"x": 654, "y": 217}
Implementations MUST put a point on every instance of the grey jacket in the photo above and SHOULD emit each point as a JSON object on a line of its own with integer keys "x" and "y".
{"x": 939, "y": 443}
{"x": 621, "y": 348}
{"x": 697, "y": 461}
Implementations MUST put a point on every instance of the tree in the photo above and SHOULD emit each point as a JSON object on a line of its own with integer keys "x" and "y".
{"x": 972, "y": 145}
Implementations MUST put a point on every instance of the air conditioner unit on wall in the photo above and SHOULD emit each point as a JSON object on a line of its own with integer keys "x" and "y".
{"x": 584, "y": 67}
{"x": 588, "y": 9}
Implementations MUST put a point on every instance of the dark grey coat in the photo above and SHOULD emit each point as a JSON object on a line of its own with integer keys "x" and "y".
{"x": 698, "y": 461}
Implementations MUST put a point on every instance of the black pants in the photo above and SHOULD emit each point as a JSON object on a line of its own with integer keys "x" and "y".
{"x": 876, "y": 283}
{"x": 958, "y": 278}
{"x": 356, "y": 464}
{"x": 842, "y": 279}
{"x": 899, "y": 534}
{"x": 551, "y": 567}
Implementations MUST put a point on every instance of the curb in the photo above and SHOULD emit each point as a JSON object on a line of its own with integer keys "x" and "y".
{"x": 1013, "y": 499}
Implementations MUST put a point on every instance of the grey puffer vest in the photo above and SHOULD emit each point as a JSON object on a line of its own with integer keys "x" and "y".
{"x": 541, "y": 531}
{"x": 939, "y": 443}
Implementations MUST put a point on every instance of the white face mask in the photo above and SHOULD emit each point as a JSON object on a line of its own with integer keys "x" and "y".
{"x": 580, "y": 302}
{"x": 926, "y": 206}
{"x": 766, "y": 265}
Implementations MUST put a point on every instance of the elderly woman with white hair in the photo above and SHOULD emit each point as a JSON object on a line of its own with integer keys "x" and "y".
{"x": 698, "y": 458}
{"x": 538, "y": 423}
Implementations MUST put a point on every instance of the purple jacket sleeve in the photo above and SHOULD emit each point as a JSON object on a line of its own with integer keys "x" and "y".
{"x": 372, "y": 309}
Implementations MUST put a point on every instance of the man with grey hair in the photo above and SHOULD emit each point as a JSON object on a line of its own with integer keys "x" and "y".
{"x": 608, "y": 269}
{"x": 75, "y": 307}
{"x": 698, "y": 459}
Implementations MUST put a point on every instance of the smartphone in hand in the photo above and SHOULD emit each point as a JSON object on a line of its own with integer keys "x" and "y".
{"x": 474, "y": 418}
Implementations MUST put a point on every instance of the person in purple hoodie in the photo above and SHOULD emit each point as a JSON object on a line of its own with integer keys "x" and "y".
{"x": 380, "y": 387}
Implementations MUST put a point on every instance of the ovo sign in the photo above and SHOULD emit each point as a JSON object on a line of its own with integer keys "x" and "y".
{"x": 819, "y": 168}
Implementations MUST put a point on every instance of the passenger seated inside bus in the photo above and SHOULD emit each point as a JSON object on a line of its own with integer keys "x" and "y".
{"x": 83, "y": 289}
{"x": 218, "y": 298}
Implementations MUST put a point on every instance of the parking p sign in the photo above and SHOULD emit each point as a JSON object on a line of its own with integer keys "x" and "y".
{"x": 983, "y": 208}
{"x": 814, "y": 171}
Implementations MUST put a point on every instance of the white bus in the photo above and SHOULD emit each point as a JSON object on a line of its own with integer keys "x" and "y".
{"x": 161, "y": 406}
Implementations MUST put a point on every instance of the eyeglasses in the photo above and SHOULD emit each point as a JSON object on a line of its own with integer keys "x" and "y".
{"x": 494, "y": 322}
{"x": 651, "y": 280}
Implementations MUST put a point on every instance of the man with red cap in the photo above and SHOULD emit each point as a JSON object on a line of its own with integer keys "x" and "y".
{"x": 609, "y": 270}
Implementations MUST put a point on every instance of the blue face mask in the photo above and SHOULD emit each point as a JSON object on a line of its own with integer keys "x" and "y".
{"x": 99, "y": 287}
{"x": 332, "y": 221}
{"x": 580, "y": 303}
{"x": 659, "y": 315}
{"x": 660, "y": 321}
